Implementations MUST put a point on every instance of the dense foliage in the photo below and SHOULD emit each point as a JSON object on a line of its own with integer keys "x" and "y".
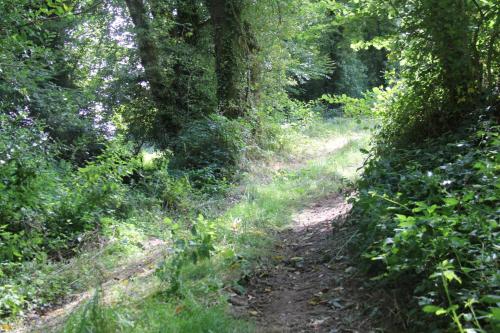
{"x": 429, "y": 215}
{"x": 115, "y": 114}
{"x": 427, "y": 205}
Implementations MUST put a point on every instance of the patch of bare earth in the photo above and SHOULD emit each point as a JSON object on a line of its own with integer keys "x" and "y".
{"x": 312, "y": 285}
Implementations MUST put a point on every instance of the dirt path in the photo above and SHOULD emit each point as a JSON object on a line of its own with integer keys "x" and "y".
{"x": 311, "y": 285}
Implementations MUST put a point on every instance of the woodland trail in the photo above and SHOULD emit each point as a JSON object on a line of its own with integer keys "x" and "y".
{"x": 312, "y": 286}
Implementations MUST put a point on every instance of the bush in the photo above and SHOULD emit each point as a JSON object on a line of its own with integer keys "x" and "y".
{"x": 27, "y": 180}
{"x": 429, "y": 223}
{"x": 351, "y": 106}
{"x": 214, "y": 145}
{"x": 157, "y": 182}
{"x": 49, "y": 209}
{"x": 46, "y": 206}
{"x": 94, "y": 191}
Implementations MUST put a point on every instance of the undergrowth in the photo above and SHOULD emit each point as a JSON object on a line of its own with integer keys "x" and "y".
{"x": 213, "y": 254}
{"x": 429, "y": 225}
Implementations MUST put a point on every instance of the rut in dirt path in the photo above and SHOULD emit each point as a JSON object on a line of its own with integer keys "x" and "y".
{"x": 312, "y": 285}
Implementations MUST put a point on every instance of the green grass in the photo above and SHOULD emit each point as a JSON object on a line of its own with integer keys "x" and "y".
{"x": 267, "y": 208}
{"x": 154, "y": 314}
{"x": 320, "y": 160}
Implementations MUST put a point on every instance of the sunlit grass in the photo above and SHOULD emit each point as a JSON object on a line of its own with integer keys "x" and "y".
{"x": 148, "y": 157}
{"x": 154, "y": 314}
{"x": 268, "y": 206}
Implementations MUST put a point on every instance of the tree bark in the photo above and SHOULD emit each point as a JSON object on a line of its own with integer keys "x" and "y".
{"x": 226, "y": 20}
{"x": 449, "y": 30}
{"x": 148, "y": 51}
{"x": 151, "y": 61}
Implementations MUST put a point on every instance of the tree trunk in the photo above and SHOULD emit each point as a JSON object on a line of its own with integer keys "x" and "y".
{"x": 448, "y": 22}
{"x": 148, "y": 51}
{"x": 151, "y": 61}
{"x": 230, "y": 71}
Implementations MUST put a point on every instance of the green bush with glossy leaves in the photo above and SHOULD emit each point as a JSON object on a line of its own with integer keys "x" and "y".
{"x": 429, "y": 225}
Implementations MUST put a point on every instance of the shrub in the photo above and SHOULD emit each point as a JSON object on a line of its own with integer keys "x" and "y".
{"x": 47, "y": 205}
{"x": 158, "y": 183}
{"x": 214, "y": 144}
{"x": 429, "y": 220}
{"x": 27, "y": 180}
{"x": 94, "y": 191}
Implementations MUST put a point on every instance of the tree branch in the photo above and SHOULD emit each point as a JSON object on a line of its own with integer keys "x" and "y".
{"x": 58, "y": 17}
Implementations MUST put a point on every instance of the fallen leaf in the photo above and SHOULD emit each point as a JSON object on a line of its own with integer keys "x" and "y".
{"x": 350, "y": 269}
{"x": 313, "y": 301}
{"x": 297, "y": 262}
{"x": 238, "y": 301}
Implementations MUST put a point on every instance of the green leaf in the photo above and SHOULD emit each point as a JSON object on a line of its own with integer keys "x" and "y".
{"x": 406, "y": 221}
{"x": 495, "y": 313}
{"x": 432, "y": 209}
{"x": 432, "y": 309}
{"x": 441, "y": 312}
{"x": 451, "y": 202}
{"x": 450, "y": 276}
{"x": 491, "y": 299}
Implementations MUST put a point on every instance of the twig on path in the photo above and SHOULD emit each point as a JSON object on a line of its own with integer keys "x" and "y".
{"x": 343, "y": 246}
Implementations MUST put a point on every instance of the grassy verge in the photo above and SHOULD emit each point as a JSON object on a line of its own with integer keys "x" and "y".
{"x": 237, "y": 232}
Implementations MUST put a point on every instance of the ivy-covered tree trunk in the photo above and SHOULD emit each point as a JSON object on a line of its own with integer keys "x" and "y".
{"x": 151, "y": 61}
{"x": 187, "y": 28}
{"x": 227, "y": 25}
{"x": 448, "y": 24}
{"x": 147, "y": 49}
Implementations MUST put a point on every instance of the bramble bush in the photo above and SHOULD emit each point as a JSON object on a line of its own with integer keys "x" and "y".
{"x": 46, "y": 203}
{"x": 429, "y": 224}
{"x": 190, "y": 246}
